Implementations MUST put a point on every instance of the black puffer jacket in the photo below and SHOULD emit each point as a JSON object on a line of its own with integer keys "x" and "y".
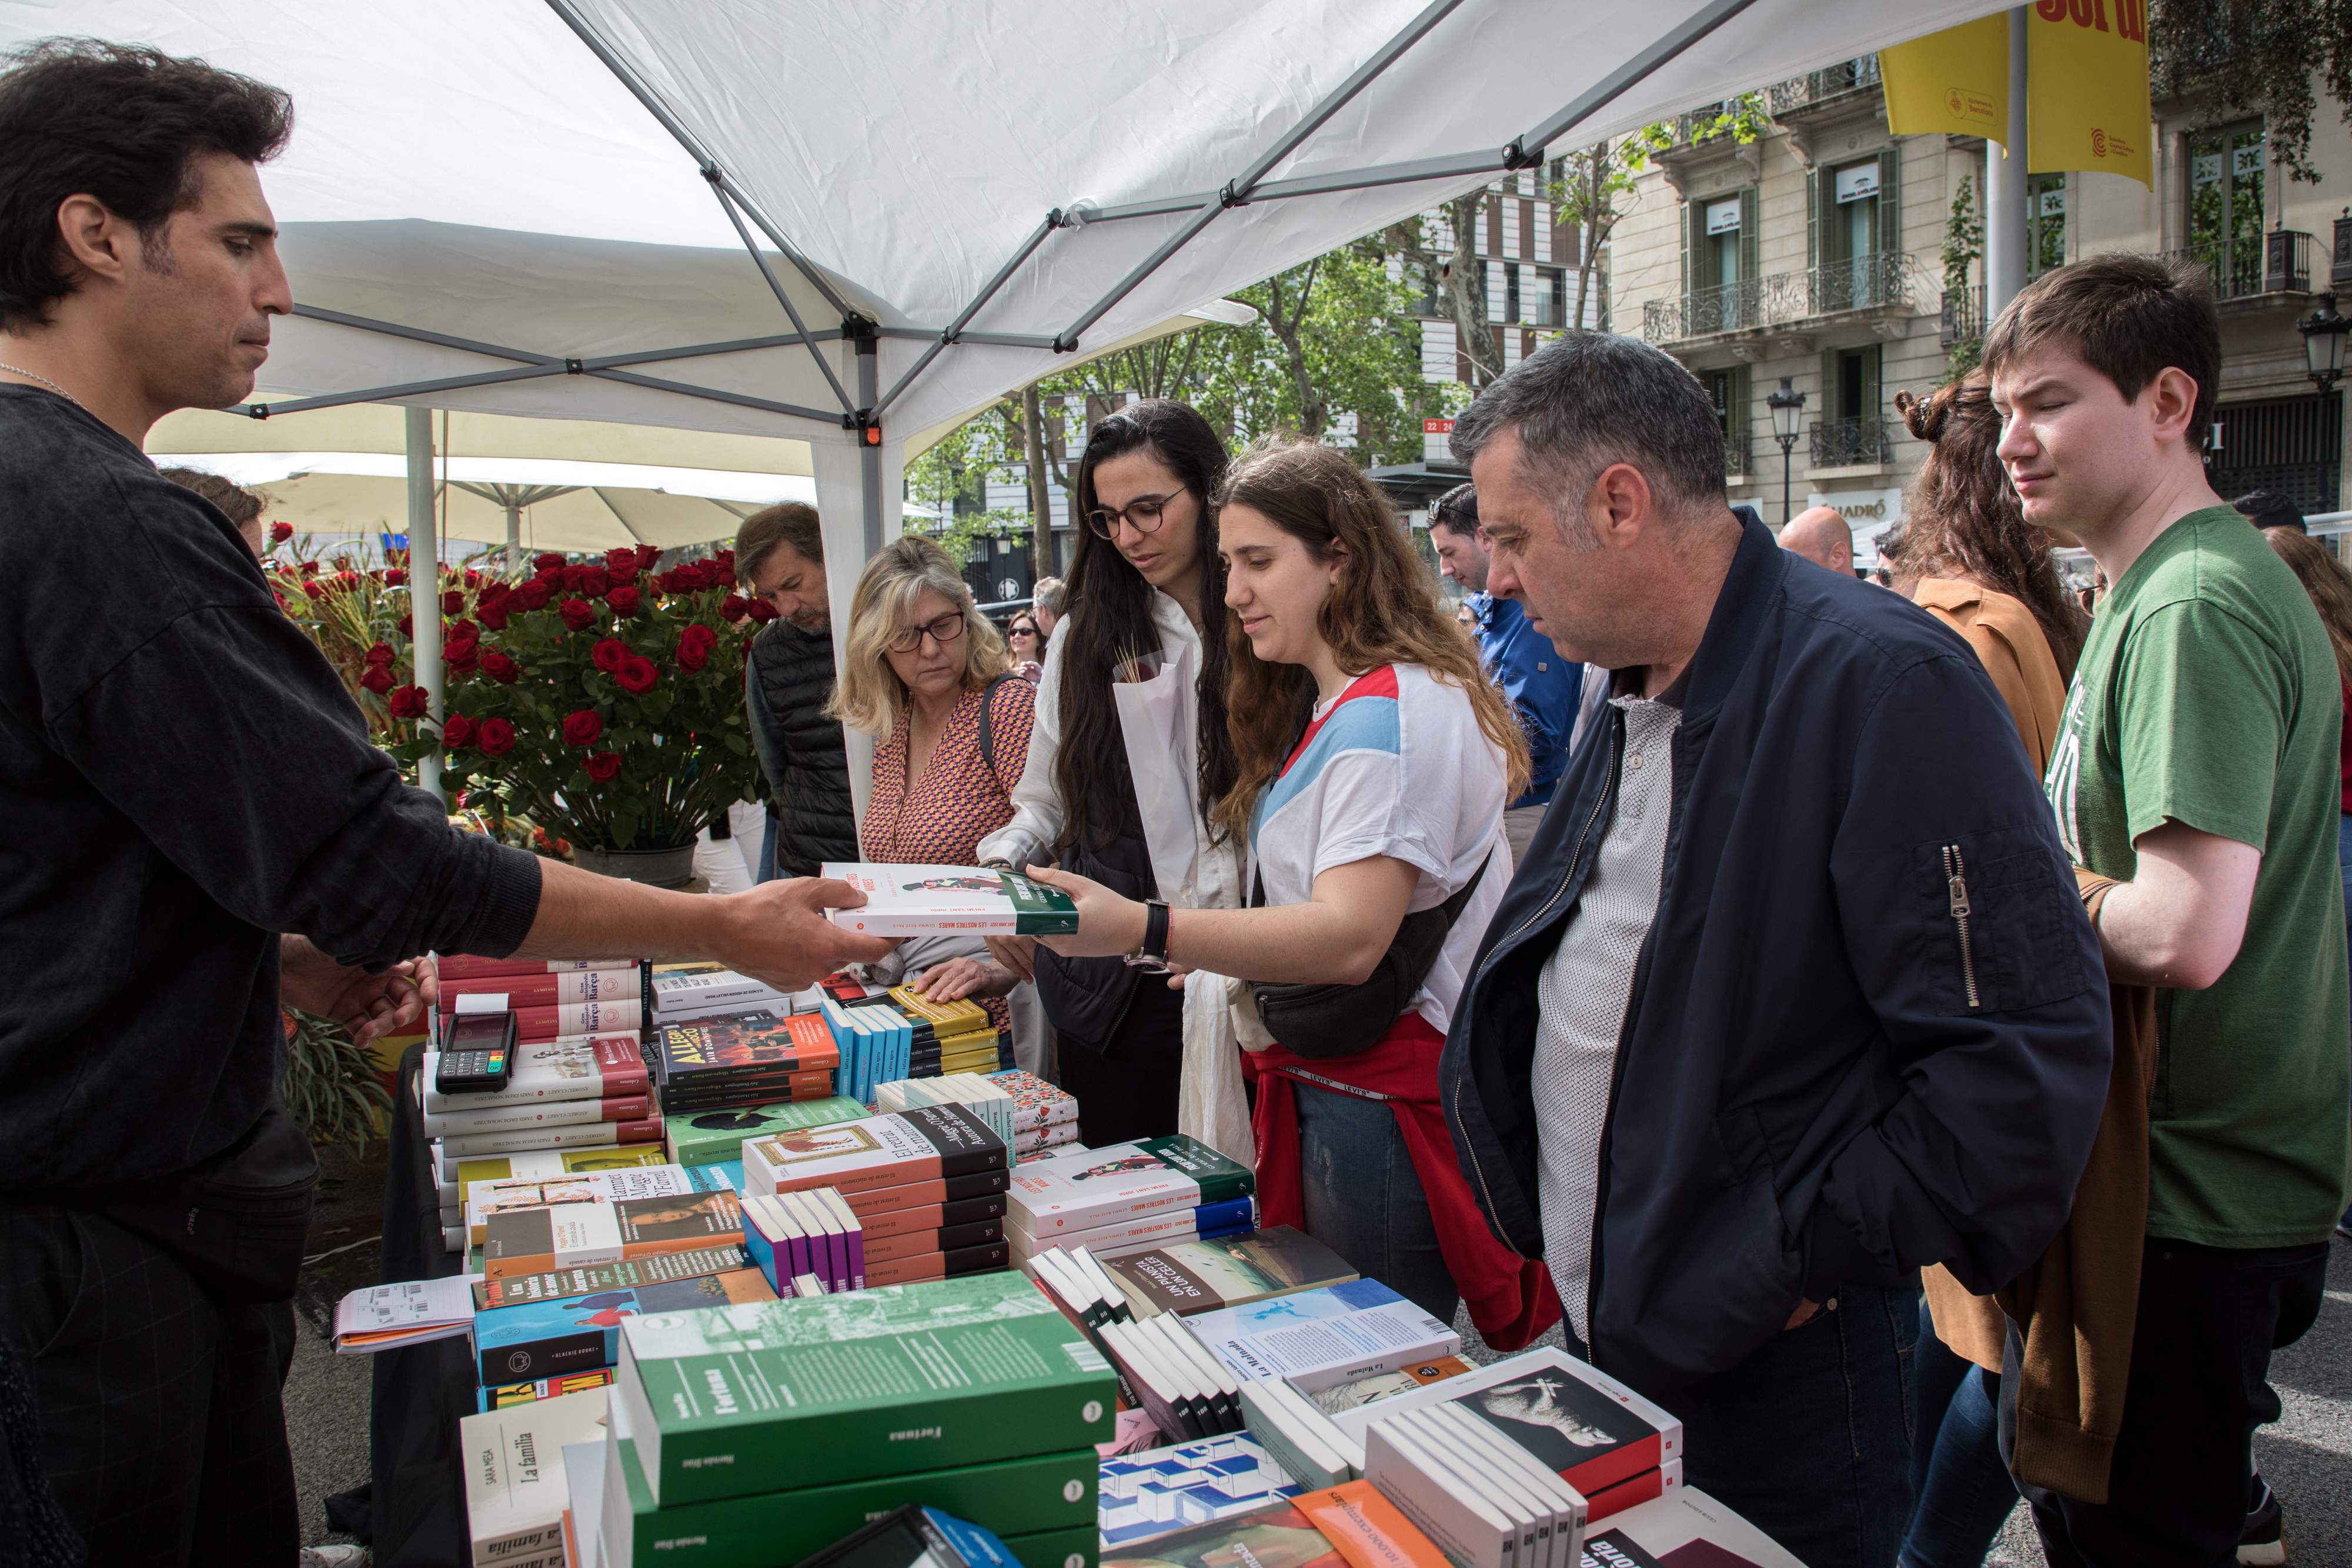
{"x": 785, "y": 688}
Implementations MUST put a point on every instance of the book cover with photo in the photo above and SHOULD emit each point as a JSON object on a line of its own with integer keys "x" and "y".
{"x": 1230, "y": 1271}
{"x": 936, "y": 900}
{"x": 1350, "y": 1526}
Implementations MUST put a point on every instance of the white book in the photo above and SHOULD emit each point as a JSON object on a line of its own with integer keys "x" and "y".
{"x": 941, "y": 899}
{"x": 484, "y": 1198}
{"x": 1502, "y": 1488}
{"x": 1087, "y": 1189}
{"x": 1303, "y": 1447}
{"x": 1458, "y": 1519}
{"x": 584, "y": 1478}
{"x": 516, "y": 1490}
{"x": 386, "y": 1317}
{"x": 523, "y": 1115}
{"x": 1314, "y": 1339}
{"x": 1683, "y": 1515}
{"x": 1568, "y": 1506}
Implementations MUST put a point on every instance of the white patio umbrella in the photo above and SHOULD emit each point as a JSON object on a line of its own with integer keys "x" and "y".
{"x": 543, "y": 517}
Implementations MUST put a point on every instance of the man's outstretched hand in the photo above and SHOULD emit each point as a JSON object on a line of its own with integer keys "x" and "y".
{"x": 778, "y": 933}
{"x": 368, "y": 1007}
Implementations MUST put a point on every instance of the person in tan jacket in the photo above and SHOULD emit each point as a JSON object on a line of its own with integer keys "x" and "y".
{"x": 1967, "y": 556}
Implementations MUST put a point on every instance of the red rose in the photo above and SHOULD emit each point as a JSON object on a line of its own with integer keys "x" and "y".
{"x": 452, "y": 601}
{"x": 623, "y": 562}
{"x": 377, "y": 679}
{"x": 546, "y": 561}
{"x": 473, "y": 577}
{"x": 494, "y": 615}
{"x": 461, "y": 657}
{"x": 693, "y": 577}
{"x": 583, "y": 727}
{"x": 576, "y": 614}
{"x": 534, "y": 594}
{"x": 762, "y": 611}
{"x": 608, "y": 653}
{"x": 457, "y": 730}
{"x": 595, "y": 581}
{"x": 408, "y": 627}
{"x": 724, "y": 560}
{"x": 408, "y": 702}
{"x": 602, "y": 765}
{"x": 310, "y": 568}
{"x": 314, "y": 591}
{"x": 623, "y": 601}
{"x": 694, "y": 647}
{"x": 393, "y": 577}
{"x": 379, "y": 654}
{"x": 636, "y": 674}
{"x": 459, "y": 630}
{"x": 497, "y": 736}
{"x": 280, "y": 532}
{"x": 499, "y": 668}
{"x": 734, "y": 607}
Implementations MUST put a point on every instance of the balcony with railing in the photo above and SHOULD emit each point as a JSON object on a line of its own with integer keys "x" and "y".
{"x": 1963, "y": 315}
{"x": 1888, "y": 281}
{"x": 1737, "y": 455}
{"x": 2246, "y": 266}
{"x": 1851, "y": 443}
{"x": 1821, "y": 92}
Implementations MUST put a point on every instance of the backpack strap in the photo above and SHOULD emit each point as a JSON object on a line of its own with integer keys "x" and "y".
{"x": 988, "y": 716}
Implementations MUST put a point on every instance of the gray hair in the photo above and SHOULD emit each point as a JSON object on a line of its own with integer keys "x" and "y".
{"x": 1049, "y": 595}
{"x": 1592, "y": 399}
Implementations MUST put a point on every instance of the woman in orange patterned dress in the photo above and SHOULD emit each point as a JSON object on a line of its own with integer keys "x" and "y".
{"x": 927, "y": 676}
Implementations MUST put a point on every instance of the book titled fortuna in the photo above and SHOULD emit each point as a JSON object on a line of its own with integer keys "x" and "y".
{"x": 933, "y": 900}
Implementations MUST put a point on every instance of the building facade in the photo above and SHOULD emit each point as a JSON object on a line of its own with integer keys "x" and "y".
{"x": 1812, "y": 259}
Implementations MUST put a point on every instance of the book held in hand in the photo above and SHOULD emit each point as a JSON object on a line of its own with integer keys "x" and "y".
{"x": 940, "y": 900}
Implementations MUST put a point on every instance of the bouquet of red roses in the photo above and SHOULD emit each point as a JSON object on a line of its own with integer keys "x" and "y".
{"x": 602, "y": 702}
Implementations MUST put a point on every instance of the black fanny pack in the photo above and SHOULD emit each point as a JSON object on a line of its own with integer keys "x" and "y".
{"x": 237, "y": 1222}
{"x": 1326, "y": 1020}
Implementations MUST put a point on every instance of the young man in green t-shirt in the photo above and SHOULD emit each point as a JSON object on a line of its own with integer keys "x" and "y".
{"x": 2197, "y": 765}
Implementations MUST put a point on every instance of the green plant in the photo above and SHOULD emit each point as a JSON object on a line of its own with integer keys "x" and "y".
{"x": 1963, "y": 248}
{"x": 330, "y": 1086}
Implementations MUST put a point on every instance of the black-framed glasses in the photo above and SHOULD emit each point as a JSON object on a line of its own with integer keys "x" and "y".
{"x": 942, "y": 629}
{"x": 1022, "y": 629}
{"x": 1143, "y": 514}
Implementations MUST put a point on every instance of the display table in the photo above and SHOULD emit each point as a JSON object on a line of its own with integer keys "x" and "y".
{"x": 418, "y": 1497}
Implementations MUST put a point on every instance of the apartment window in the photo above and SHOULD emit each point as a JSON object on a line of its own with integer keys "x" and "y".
{"x": 1511, "y": 305}
{"x": 1850, "y": 429}
{"x": 2225, "y": 204}
{"x": 1722, "y": 242}
{"x": 1855, "y": 199}
{"x": 2045, "y": 222}
{"x": 1727, "y": 390}
{"x": 1544, "y": 296}
{"x": 1719, "y": 236}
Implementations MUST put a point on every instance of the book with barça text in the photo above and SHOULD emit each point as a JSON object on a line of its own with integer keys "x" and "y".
{"x": 879, "y": 1382}
{"x": 1594, "y": 1433}
{"x": 541, "y": 1240}
{"x": 463, "y": 1146}
{"x": 469, "y": 966}
{"x": 577, "y": 1067}
{"x": 704, "y": 1137}
{"x": 1346, "y": 1526}
{"x": 550, "y": 989}
{"x": 1684, "y": 1528}
{"x": 928, "y": 1143}
{"x": 938, "y": 899}
{"x": 624, "y": 1014}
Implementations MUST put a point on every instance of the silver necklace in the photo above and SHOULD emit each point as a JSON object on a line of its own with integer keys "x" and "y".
{"x": 30, "y": 376}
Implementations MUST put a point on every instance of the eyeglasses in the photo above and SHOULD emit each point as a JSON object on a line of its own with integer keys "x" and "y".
{"x": 946, "y": 629}
{"x": 1142, "y": 515}
{"x": 1020, "y": 631}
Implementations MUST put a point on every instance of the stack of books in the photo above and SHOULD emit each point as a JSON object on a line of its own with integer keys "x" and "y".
{"x": 1300, "y": 1437}
{"x": 1129, "y": 1197}
{"x": 741, "y": 1074}
{"x": 978, "y": 1092}
{"x": 683, "y": 992}
{"x": 806, "y": 1243}
{"x": 1206, "y": 1275}
{"x": 1045, "y": 1118}
{"x": 516, "y": 1488}
{"x": 560, "y": 1236}
{"x": 927, "y": 1186}
{"x": 895, "y": 1035}
{"x": 1613, "y": 1446}
{"x": 960, "y": 1036}
{"x": 758, "y": 1433}
{"x": 525, "y": 1341}
{"x": 1484, "y": 1498}
{"x": 553, "y": 1000}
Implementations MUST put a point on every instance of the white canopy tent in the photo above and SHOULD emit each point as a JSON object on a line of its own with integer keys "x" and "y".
{"x": 544, "y": 210}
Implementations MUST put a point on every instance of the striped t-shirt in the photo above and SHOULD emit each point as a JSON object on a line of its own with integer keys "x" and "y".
{"x": 1397, "y": 765}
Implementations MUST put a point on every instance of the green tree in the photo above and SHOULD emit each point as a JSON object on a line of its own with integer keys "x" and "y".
{"x": 1963, "y": 248}
{"x": 2258, "y": 57}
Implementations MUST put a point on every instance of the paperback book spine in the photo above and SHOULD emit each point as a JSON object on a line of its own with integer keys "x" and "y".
{"x": 581, "y": 1135}
{"x": 550, "y": 990}
{"x": 467, "y": 967}
{"x": 534, "y": 1113}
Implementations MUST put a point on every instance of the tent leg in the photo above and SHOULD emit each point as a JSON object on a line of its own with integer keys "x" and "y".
{"x": 425, "y": 579}
{"x": 2005, "y": 185}
{"x": 514, "y": 535}
{"x": 870, "y": 453}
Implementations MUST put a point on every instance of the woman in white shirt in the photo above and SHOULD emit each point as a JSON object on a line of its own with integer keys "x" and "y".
{"x": 1128, "y": 756}
{"x": 1374, "y": 762}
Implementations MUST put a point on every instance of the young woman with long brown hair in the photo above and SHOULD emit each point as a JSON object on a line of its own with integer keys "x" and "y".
{"x": 1373, "y": 762}
{"x": 1126, "y": 759}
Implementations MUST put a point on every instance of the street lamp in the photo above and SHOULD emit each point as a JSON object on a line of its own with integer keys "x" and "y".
{"x": 2323, "y": 342}
{"x": 1788, "y": 406}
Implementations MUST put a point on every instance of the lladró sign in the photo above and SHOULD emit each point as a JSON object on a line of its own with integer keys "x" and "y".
{"x": 1869, "y": 513}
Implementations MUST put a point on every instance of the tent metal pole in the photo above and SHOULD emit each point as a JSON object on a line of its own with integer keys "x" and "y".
{"x": 2005, "y": 183}
{"x": 387, "y": 395}
{"x": 1530, "y": 147}
{"x": 425, "y": 582}
{"x": 514, "y": 531}
{"x": 703, "y": 350}
{"x": 712, "y": 394}
{"x": 1456, "y": 166}
{"x": 1238, "y": 192}
{"x": 688, "y": 140}
{"x": 953, "y": 331}
{"x": 983, "y": 339}
{"x": 421, "y": 335}
{"x": 869, "y": 450}
{"x": 776, "y": 286}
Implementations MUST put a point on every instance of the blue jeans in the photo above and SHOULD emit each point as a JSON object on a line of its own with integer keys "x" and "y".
{"x": 1810, "y": 1437}
{"x": 1964, "y": 1490}
{"x": 1363, "y": 1199}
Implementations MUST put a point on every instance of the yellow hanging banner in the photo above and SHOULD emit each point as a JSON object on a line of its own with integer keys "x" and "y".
{"x": 2086, "y": 98}
{"x": 1955, "y": 81}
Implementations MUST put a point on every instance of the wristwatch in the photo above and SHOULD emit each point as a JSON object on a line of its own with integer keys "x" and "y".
{"x": 1154, "y": 949}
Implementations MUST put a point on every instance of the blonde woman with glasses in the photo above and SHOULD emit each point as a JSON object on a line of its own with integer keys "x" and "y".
{"x": 927, "y": 676}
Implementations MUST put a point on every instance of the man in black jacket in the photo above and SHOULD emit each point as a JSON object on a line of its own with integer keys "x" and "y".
{"x": 198, "y": 827}
{"x": 812, "y": 817}
{"x": 1793, "y": 994}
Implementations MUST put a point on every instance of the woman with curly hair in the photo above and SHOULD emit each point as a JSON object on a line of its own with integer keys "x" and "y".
{"x": 1373, "y": 760}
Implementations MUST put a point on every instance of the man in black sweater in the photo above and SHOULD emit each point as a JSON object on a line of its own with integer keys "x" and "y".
{"x": 787, "y": 686}
{"x": 197, "y": 827}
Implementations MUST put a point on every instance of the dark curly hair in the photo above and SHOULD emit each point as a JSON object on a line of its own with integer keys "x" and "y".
{"x": 1963, "y": 520}
{"x": 122, "y": 123}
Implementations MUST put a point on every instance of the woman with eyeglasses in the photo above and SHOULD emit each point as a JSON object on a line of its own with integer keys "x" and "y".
{"x": 1127, "y": 761}
{"x": 1028, "y": 645}
{"x": 925, "y": 674}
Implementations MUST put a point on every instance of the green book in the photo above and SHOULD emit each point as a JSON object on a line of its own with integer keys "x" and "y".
{"x": 1048, "y": 1492}
{"x": 1080, "y": 1548}
{"x": 726, "y": 1401}
{"x": 1220, "y": 1178}
{"x": 712, "y": 1137}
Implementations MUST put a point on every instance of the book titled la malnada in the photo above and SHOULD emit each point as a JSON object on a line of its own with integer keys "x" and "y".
{"x": 941, "y": 900}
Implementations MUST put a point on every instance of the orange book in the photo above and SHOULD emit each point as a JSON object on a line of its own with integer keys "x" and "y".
{"x": 1350, "y": 1526}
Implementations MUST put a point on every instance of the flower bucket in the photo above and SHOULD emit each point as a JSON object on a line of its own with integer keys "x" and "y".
{"x": 654, "y": 868}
